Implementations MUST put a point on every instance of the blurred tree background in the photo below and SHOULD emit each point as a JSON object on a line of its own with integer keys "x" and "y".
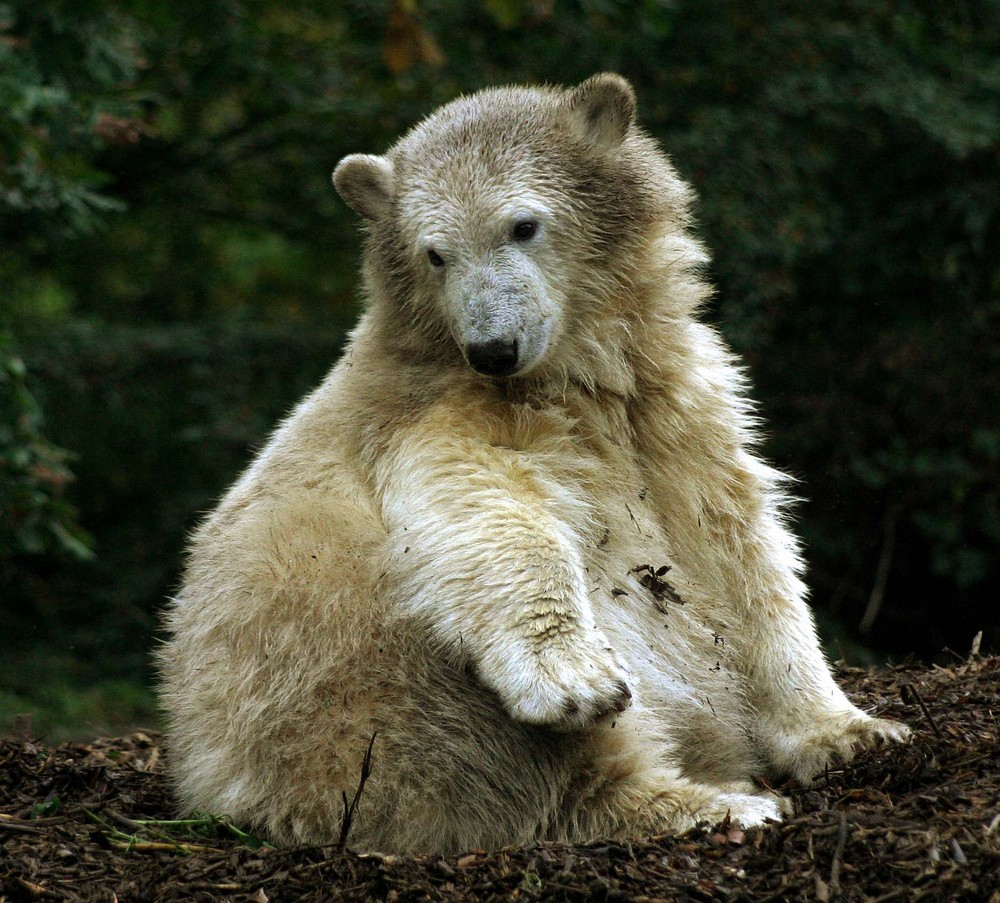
{"x": 175, "y": 271}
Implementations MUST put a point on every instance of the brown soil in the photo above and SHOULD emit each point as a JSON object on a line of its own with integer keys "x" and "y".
{"x": 920, "y": 822}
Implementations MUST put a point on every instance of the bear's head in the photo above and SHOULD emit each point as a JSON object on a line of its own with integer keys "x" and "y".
{"x": 507, "y": 226}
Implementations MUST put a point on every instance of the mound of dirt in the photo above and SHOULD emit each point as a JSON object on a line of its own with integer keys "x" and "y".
{"x": 920, "y": 822}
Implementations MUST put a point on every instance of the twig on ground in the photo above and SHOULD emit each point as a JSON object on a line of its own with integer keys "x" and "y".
{"x": 15, "y": 828}
{"x": 158, "y": 846}
{"x": 838, "y": 857}
{"x": 909, "y": 693}
{"x": 349, "y": 810}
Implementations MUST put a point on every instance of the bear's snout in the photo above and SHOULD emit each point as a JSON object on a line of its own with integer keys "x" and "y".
{"x": 497, "y": 357}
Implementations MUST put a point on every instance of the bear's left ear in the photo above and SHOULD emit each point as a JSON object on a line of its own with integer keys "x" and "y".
{"x": 603, "y": 109}
{"x": 365, "y": 182}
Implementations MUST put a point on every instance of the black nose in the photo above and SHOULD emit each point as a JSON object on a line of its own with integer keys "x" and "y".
{"x": 497, "y": 357}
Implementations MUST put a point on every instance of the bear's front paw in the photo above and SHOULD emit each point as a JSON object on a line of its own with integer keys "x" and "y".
{"x": 806, "y": 754}
{"x": 562, "y": 685}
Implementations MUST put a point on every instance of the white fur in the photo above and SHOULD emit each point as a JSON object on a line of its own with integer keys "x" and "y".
{"x": 470, "y": 570}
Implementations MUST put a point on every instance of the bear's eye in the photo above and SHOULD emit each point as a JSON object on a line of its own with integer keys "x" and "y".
{"x": 436, "y": 259}
{"x": 525, "y": 230}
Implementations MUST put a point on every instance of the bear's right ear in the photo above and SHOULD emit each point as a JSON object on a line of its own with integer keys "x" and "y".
{"x": 365, "y": 182}
{"x": 603, "y": 109}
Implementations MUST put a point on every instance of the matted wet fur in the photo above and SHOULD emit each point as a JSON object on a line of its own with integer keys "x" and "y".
{"x": 519, "y": 535}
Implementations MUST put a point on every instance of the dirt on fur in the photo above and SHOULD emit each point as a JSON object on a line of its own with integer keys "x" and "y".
{"x": 920, "y": 822}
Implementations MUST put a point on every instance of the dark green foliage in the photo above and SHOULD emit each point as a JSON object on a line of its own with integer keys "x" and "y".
{"x": 58, "y": 81}
{"x": 847, "y": 158}
{"x": 162, "y": 419}
{"x": 35, "y": 519}
{"x": 62, "y": 77}
{"x": 167, "y": 164}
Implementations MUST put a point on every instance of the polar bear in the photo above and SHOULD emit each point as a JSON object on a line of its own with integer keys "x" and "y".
{"x": 518, "y": 545}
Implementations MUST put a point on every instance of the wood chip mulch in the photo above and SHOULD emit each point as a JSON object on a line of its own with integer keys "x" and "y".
{"x": 921, "y": 822}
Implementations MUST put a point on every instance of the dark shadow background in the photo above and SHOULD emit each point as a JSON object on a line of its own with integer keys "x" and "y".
{"x": 176, "y": 271}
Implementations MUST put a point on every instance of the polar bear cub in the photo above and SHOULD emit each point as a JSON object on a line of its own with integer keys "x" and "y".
{"x": 518, "y": 543}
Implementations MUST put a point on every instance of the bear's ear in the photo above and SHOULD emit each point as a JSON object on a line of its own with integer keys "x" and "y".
{"x": 603, "y": 109}
{"x": 365, "y": 182}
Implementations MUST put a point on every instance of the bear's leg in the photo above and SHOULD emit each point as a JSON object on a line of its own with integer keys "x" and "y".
{"x": 723, "y": 514}
{"x": 450, "y": 770}
{"x": 482, "y": 552}
{"x": 805, "y": 722}
{"x": 624, "y": 790}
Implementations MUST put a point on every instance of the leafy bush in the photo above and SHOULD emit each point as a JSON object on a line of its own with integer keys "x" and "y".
{"x": 35, "y": 518}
